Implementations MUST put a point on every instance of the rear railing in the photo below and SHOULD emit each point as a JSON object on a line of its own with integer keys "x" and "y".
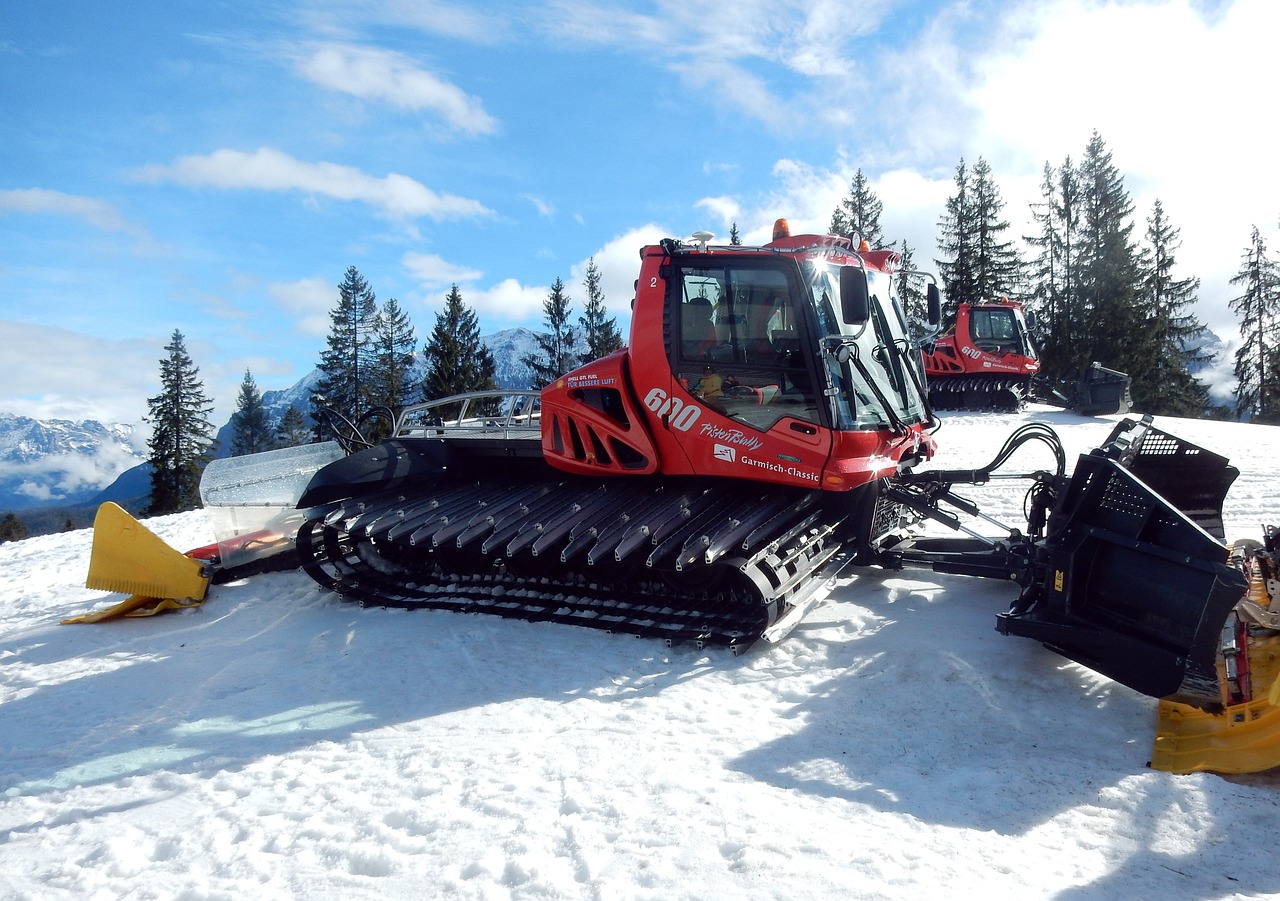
{"x": 477, "y": 414}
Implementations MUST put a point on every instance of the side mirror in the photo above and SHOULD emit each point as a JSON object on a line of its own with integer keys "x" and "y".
{"x": 1033, "y": 324}
{"x": 855, "y": 297}
{"x": 838, "y": 348}
{"x": 933, "y": 304}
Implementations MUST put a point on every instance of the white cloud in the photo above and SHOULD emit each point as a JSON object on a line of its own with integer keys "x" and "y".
{"x": 57, "y": 373}
{"x": 268, "y": 372}
{"x": 53, "y": 477}
{"x": 757, "y": 56}
{"x": 1175, "y": 94}
{"x": 506, "y": 303}
{"x": 545, "y": 209}
{"x": 95, "y": 212}
{"x": 268, "y": 169}
{"x": 1220, "y": 376}
{"x": 722, "y": 167}
{"x": 510, "y": 302}
{"x": 501, "y": 305}
{"x": 806, "y": 196}
{"x": 433, "y": 272}
{"x": 805, "y": 36}
{"x": 309, "y": 301}
{"x": 802, "y": 194}
{"x": 396, "y": 79}
{"x": 619, "y": 264}
{"x": 54, "y": 373}
{"x": 913, "y": 205}
{"x": 482, "y": 24}
{"x": 1181, "y": 100}
{"x": 725, "y": 210}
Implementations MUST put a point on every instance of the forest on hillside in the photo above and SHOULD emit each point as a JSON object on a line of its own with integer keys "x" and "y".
{"x": 1103, "y": 284}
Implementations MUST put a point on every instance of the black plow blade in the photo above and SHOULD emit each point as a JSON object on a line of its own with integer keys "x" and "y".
{"x": 1132, "y": 581}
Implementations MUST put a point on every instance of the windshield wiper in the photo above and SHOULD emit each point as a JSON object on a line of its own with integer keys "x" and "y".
{"x": 846, "y": 351}
{"x": 908, "y": 365}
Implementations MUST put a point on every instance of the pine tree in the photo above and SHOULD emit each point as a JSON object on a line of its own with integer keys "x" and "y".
{"x": 1257, "y": 365}
{"x": 394, "y": 342}
{"x": 980, "y": 262}
{"x": 1110, "y": 274}
{"x": 292, "y": 430}
{"x": 1052, "y": 272}
{"x": 346, "y": 362}
{"x": 1174, "y": 391}
{"x": 599, "y": 330}
{"x": 999, "y": 265}
{"x": 181, "y": 435}
{"x": 456, "y": 360}
{"x": 910, "y": 294}
{"x": 250, "y": 426}
{"x": 735, "y": 240}
{"x": 858, "y": 216}
{"x": 12, "y": 528}
{"x": 1088, "y": 278}
{"x": 956, "y": 241}
{"x": 557, "y": 343}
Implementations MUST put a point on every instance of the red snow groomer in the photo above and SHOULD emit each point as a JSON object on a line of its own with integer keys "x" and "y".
{"x": 766, "y": 428}
{"x": 988, "y": 361}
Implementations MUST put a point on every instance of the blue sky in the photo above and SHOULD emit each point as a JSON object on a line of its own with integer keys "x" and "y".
{"x": 215, "y": 167}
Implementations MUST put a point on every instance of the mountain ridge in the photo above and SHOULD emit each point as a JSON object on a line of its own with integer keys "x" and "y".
{"x": 52, "y": 471}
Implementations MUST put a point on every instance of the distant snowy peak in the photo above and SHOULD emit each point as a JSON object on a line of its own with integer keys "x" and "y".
{"x": 510, "y": 347}
{"x": 23, "y": 439}
{"x": 278, "y": 401}
{"x": 56, "y": 462}
{"x": 1207, "y": 346}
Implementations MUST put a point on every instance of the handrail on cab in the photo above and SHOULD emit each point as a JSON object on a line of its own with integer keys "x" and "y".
{"x": 501, "y": 413}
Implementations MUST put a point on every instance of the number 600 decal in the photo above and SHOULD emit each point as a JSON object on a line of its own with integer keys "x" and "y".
{"x": 682, "y": 416}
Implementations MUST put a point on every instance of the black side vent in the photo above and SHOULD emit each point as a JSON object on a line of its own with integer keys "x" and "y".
{"x": 579, "y": 452}
{"x": 608, "y": 401}
{"x": 627, "y": 456}
{"x": 597, "y": 446}
{"x": 556, "y": 441}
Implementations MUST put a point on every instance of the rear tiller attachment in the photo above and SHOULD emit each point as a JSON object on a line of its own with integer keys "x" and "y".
{"x": 1122, "y": 568}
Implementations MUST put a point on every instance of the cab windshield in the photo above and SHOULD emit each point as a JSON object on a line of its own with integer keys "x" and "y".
{"x": 747, "y": 336}
{"x": 874, "y": 384}
{"x": 1000, "y": 330}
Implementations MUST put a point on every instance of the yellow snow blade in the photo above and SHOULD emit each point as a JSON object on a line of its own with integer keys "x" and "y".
{"x": 1245, "y": 738}
{"x": 135, "y": 605}
{"x": 129, "y": 558}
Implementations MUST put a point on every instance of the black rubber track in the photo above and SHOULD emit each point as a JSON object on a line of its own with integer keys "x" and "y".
{"x": 705, "y": 561}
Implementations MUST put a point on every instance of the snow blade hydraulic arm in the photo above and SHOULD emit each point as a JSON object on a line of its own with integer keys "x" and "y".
{"x": 1123, "y": 567}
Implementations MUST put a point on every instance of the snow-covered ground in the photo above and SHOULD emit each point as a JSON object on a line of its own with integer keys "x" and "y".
{"x": 279, "y": 743}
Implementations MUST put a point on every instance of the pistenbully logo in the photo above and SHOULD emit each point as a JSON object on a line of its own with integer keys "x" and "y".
{"x": 724, "y": 452}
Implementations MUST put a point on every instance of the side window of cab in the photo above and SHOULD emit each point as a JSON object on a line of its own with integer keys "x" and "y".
{"x": 739, "y": 346}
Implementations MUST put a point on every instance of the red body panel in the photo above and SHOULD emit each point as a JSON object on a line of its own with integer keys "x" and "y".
{"x": 591, "y": 424}
{"x": 678, "y": 433}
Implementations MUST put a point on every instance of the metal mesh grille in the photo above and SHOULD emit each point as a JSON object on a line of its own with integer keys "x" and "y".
{"x": 1120, "y": 497}
{"x": 1161, "y": 444}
